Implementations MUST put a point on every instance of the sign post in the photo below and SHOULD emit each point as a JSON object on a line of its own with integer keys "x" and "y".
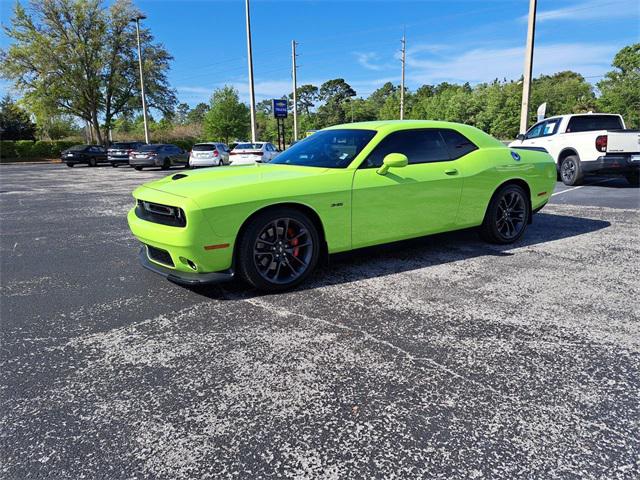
{"x": 280, "y": 109}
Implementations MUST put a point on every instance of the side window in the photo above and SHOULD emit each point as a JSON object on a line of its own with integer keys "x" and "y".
{"x": 535, "y": 131}
{"x": 420, "y": 146}
{"x": 550, "y": 127}
{"x": 458, "y": 144}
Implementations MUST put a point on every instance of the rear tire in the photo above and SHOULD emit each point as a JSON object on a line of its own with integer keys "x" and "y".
{"x": 92, "y": 162}
{"x": 633, "y": 179}
{"x": 138, "y": 168}
{"x": 70, "y": 165}
{"x": 571, "y": 171}
{"x": 114, "y": 165}
{"x": 166, "y": 164}
{"x": 278, "y": 250}
{"x": 507, "y": 215}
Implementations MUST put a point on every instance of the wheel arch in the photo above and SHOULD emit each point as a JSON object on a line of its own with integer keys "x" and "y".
{"x": 302, "y": 208}
{"x": 564, "y": 153}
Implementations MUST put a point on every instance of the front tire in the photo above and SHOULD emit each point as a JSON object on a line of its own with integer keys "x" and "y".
{"x": 114, "y": 165}
{"x": 166, "y": 164}
{"x": 507, "y": 216}
{"x": 70, "y": 165}
{"x": 138, "y": 168}
{"x": 571, "y": 171}
{"x": 92, "y": 162}
{"x": 278, "y": 250}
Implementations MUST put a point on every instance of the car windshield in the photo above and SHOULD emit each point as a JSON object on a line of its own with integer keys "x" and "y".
{"x": 249, "y": 146}
{"x": 327, "y": 149}
{"x": 203, "y": 147}
{"x": 150, "y": 148}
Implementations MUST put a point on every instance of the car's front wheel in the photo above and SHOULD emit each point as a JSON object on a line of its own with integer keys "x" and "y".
{"x": 114, "y": 164}
{"x": 633, "y": 179}
{"x": 138, "y": 168}
{"x": 278, "y": 250}
{"x": 70, "y": 165}
{"x": 507, "y": 215}
{"x": 92, "y": 162}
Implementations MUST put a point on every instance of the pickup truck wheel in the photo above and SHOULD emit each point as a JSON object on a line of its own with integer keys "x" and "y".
{"x": 633, "y": 179}
{"x": 571, "y": 171}
{"x": 278, "y": 250}
{"x": 507, "y": 215}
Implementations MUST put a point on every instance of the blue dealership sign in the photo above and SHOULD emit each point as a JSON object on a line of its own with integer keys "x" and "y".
{"x": 280, "y": 108}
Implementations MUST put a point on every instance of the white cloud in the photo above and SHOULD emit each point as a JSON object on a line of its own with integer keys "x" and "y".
{"x": 366, "y": 60}
{"x": 591, "y": 10}
{"x": 485, "y": 64}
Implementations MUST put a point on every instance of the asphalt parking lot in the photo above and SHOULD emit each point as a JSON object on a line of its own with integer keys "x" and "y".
{"x": 437, "y": 358}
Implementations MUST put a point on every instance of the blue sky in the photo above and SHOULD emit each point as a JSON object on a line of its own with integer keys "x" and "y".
{"x": 447, "y": 40}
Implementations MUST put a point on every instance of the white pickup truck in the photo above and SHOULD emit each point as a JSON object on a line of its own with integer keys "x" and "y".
{"x": 586, "y": 143}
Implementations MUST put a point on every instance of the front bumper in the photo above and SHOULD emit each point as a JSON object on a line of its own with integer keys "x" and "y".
{"x": 183, "y": 278}
{"x": 613, "y": 163}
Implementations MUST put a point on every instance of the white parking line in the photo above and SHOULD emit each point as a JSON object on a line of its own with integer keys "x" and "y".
{"x": 582, "y": 186}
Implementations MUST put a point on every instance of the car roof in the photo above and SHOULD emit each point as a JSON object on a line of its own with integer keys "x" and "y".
{"x": 474, "y": 134}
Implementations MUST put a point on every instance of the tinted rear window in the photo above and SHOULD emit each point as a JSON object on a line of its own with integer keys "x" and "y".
{"x": 203, "y": 147}
{"x": 78, "y": 148}
{"x": 457, "y": 143}
{"x": 249, "y": 146}
{"x": 119, "y": 146}
{"x": 588, "y": 123}
{"x": 150, "y": 148}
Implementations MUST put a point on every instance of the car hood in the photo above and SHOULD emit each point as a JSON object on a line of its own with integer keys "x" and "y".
{"x": 202, "y": 183}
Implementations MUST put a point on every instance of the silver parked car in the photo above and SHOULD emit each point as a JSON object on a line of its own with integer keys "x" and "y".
{"x": 158, "y": 155}
{"x": 209, "y": 155}
{"x": 118, "y": 153}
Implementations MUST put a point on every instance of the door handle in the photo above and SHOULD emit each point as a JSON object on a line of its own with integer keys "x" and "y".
{"x": 451, "y": 171}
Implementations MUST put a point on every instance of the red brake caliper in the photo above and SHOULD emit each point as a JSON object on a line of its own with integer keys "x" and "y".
{"x": 294, "y": 242}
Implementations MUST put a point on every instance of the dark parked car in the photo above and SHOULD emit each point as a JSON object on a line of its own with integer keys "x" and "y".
{"x": 118, "y": 153}
{"x": 158, "y": 155}
{"x": 92, "y": 155}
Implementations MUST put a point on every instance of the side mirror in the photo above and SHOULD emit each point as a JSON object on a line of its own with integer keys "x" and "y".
{"x": 520, "y": 136}
{"x": 393, "y": 160}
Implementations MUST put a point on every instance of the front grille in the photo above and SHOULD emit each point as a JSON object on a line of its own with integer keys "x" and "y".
{"x": 157, "y": 213}
{"x": 159, "y": 255}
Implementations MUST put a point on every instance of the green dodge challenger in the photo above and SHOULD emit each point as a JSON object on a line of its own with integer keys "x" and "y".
{"x": 342, "y": 188}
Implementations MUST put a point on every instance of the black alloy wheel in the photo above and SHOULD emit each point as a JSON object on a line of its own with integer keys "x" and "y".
{"x": 507, "y": 215}
{"x": 278, "y": 250}
{"x": 92, "y": 162}
{"x": 571, "y": 171}
{"x": 166, "y": 164}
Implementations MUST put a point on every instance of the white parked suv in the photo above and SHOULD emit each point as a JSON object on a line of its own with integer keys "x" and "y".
{"x": 247, "y": 153}
{"x": 586, "y": 143}
{"x": 209, "y": 155}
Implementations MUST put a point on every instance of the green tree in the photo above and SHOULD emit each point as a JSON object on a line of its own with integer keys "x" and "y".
{"x": 228, "y": 118}
{"x": 306, "y": 96}
{"x": 334, "y": 93}
{"x": 197, "y": 113}
{"x": 620, "y": 89}
{"x": 564, "y": 92}
{"x": 15, "y": 123}
{"x": 83, "y": 57}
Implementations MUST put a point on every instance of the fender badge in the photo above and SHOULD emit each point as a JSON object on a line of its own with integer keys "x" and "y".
{"x": 515, "y": 156}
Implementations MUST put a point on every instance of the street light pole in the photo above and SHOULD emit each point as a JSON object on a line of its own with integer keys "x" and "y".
{"x": 404, "y": 49}
{"x": 144, "y": 100}
{"x": 295, "y": 87}
{"x": 528, "y": 66}
{"x": 252, "y": 97}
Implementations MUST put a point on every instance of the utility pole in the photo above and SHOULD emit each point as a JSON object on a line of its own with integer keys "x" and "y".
{"x": 295, "y": 88}
{"x": 528, "y": 66}
{"x": 144, "y": 100}
{"x": 252, "y": 96}
{"x": 404, "y": 51}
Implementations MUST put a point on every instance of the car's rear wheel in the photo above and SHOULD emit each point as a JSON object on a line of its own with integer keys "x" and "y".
{"x": 507, "y": 215}
{"x": 571, "y": 171}
{"x": 166, "y": 164}
{"x": 114, "y": 164}
{"x": 633, "y": 179}
{"x": 92, "y": 162}
{"x": 138, "y": 168}
{"x": 70, "y": 165}
{"x": 220, "y": 163}
{"x": 278, "y": 250}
